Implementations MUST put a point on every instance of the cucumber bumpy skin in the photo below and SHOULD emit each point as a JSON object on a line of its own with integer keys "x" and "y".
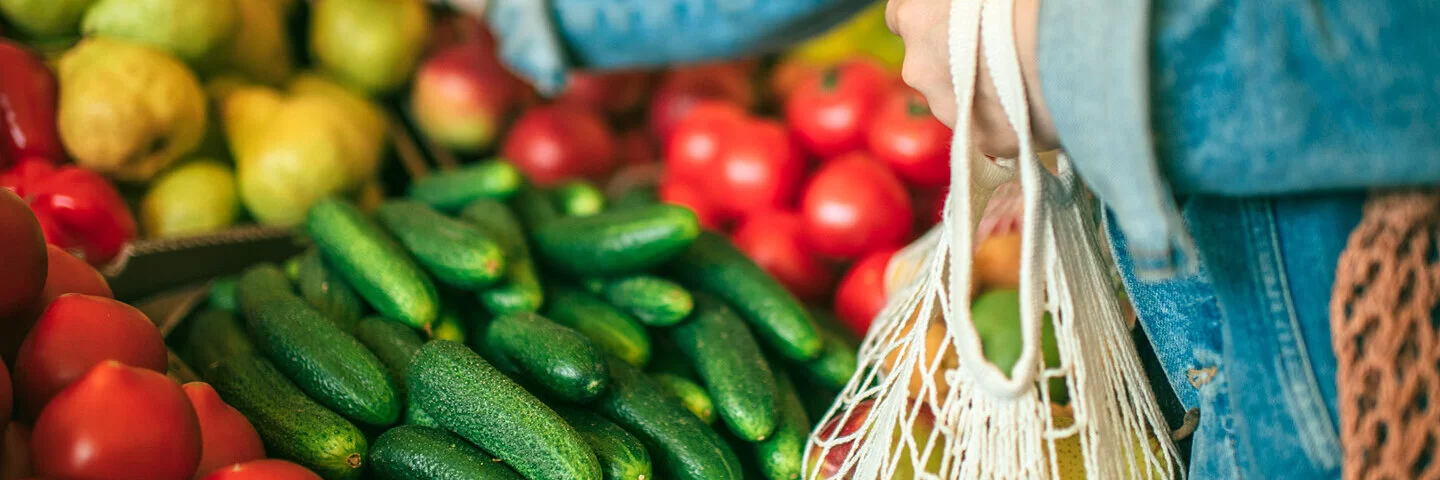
{"x": 372, "y": 263}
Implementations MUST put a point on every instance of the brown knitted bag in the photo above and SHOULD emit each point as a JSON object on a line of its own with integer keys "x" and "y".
{"x": 1386, "y": 341}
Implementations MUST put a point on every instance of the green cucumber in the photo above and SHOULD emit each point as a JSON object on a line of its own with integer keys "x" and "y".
{"x": 729, "y": 361}
{"x": 469, "y": 397}
{"x": 394, "y": 344}
{"x": 222, "y": 293}
{"x": 291, "y": 267}
{"x": 621, "y": 455}
{"x": 534, "y": 208}
{"x": 449, "y": 326}
{"x": 372, "y": 263}
{"x": 327, "y": 363}
{"x": 413, "y": 452}
{"x": 453, "y": 190}
{"x": 414, "y": 415}
{"x": 712, "y": 264}
{"x": 781, "y": 457}
{"x": 521, "y": 290}
{"x": 216, "y": 335}
{"x": 610, "y": 329}
{"x": 456, "y": 252}
{"x": 327, "y": 292}
{"x": 837, "y": 362}
{"x": 562, "y": 361}
{"x": 680, "y": 445}
{"x": 652, "y": 300}
{"x": 690, "y": 394}
{"x": 578, "y": 198}
{"x": 617, "y": 242}
{"x": 292, "y": 425}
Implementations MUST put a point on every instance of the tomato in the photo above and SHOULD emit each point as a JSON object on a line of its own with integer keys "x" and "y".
{"x": 930, "y": 206}
{"x": 760, "y": 168}
{"x": 7, "y": 397}
{"x": 609, "y": 92}
{"x": 861, "y": 294}
{"x": 682, "y": 88}
{"x": 855, "y": 205}
{"x": 905, "y": 135}
{"x": 775, "y": 240}
{"x": 118, "y": 423}
{"x": 634, "y": 147}
{"x": 830, "y": 112}
{"x": 263, "y": 470}
{"x": 689, "y": 196}
{"x": 76, "y": 332}
{"x": 227, "y": 437}
{"x": 22, "y": 252}
{"x": 15, "y": 452}
{"x": 697, "y": 139}
{"x": 67, "y": 274}
{"x": 559, "y": 142}
{"x": 790, "y": 74}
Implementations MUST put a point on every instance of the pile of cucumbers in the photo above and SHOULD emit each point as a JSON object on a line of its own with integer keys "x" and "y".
{"x": 486, "y": 329}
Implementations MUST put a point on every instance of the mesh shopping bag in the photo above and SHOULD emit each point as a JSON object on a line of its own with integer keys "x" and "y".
{"x": 926, "y": 403}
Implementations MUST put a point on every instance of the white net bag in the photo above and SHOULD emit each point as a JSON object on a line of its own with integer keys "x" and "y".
{"x": 925, "y": 402}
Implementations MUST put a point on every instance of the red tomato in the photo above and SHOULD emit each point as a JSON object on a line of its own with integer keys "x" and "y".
{"x": 118, "y": 423}
{"x": 854, "y": 205}
{"x": 830, "y": 112}
{"x": 775, "y": 241}
{"x": 263, "y": 470}
{"x": 75, "y": 333}
{"x": 697, "y": 139}
{"x": 905, "y": 135}
{"x": 15, "y": 452}
{"x": 22, "y": 252}
{"x": 634, "y": 147}
{"x": 929, "y": 207}
{"x": 861, "y": 294}
{"x": 684, "y": 87}
{"x": 685, "y": 195}
{"x": 67, "y": 274}
{"x": 226, "y": 435}
{"x": 559, "y": 142}
{"x": 788, "y": 75}
{"x": 610, "y": 92}
{"x": 760, "y": 168}
{"x": 7, "y": 397}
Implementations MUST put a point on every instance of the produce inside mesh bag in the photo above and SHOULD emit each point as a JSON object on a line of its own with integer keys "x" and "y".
{"x": 926, "y": 401}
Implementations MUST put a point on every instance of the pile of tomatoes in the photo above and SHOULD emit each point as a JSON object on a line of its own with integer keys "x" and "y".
{"x": 90, "y": 397}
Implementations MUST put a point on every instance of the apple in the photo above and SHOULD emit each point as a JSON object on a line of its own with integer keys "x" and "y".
{"x": 613, "y": 93}
{"x": 833, "y": 460}
{"x": 462, "y": 95}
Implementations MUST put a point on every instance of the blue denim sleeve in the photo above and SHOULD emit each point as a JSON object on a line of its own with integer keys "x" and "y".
{"x": 541, "y": 39}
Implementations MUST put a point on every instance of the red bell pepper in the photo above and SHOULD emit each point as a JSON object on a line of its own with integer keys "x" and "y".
{"x": 79, "y": 210}
{"x": 27, "y": 107}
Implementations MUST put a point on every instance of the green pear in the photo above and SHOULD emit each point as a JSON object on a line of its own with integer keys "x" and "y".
{"x": 127, "y": 110}
{"x": 196, "y": 197}
{"x": 373, "y": 45}
{"x": 45, "y": 18}
{"x": 260, "y": 47}
{"x": 189, "y": 29}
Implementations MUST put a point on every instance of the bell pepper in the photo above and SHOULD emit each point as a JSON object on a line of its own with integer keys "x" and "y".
{"x": 79, "y": 211}
{"x": 27, "y": 107}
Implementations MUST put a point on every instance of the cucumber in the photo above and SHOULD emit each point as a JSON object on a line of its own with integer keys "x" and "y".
{"x": 413, "y": 452}
{"x": 782, "y": 456}
{"x": 394, "y": 344}
{"x": 292, "y": 425}
{"x": 562, "y": 361}
{"x": 453, "y": 190}
{"x": 652, "y": 300}
{"x": 291, "y": 267}
{"x": 534, "y": 208}
{"x": 222, "y": 293}
{"x": 712, "y": 264}
{"x": 734, "y": 370}
{"x": 621, "y": 455}
{"x": 521, "y": 290}
{"x": 327, "y": 363}
{"x": 578, "y": 198}
{"x": 449, "y": 326}
{"x": 327, "y": 292}
{"x": 690, "y": 394}
{"x": 216, "y": 335}
{"x": 680, "y": 445}
{"x": 471, "y": 398}
{"x": 414, "y": 415}
{"x": 837, "y": 362}
{"x": 372, "y": 263}
{"x": 457, "y": 253}
{"x": 616, "y": 242}
{"x": 610, "y": 329}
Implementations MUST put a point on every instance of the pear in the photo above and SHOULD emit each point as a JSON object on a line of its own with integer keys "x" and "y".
{"x": 127, "y": 110}
{"x": 45, "y": 18}
{"x": 196, "y": 197}
{"x": 372, "y": 45}
{"x": 189, "y": 29}
{"x": 260, "y": 47}
{"x": 362, "y": 123}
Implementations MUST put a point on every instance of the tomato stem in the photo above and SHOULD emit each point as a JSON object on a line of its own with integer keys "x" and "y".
{"x": 830, "y": 79}
{"x": 916, "y": 107}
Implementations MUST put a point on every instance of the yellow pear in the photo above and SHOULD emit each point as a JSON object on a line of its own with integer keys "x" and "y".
{"x": 197, "y": 197}
{"x": 291, "y": 163}
{"x": 260, "y": 47}
{"x": 1070, "y": 459}
{"x": 373, "y": 45}
{"x": 362, "y": 123}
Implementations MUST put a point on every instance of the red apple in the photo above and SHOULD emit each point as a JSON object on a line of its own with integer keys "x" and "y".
{"x": 612, "y": 92}
{"x": 558, "y": 142}
{"x": 834, "y": 459}
{"x": 461, "y": 96}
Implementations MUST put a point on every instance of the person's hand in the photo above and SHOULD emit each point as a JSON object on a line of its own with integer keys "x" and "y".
{"x": 924, "y": 26}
